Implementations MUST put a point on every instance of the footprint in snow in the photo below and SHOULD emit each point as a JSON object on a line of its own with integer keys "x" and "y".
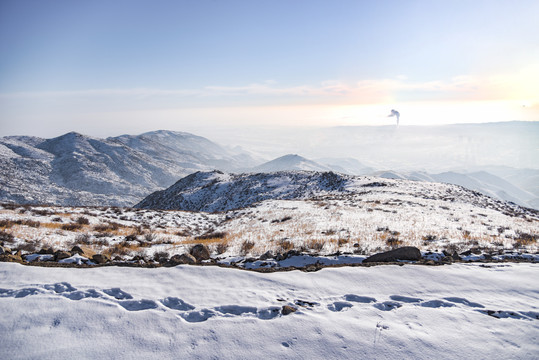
{"x": 176, "y": 304}
{"x": 19, "y": 293}
{"x": 79, "y": 295}
{"x": 339, "y": 306}
{"x": 60, "y": 287}
{"x": 463, "y": 301}
{"x": 388, "y": 305}
{"x": 501, "y": 314}
{"x": 236, "y": 309}
{"x": 436, "y": 304}
{"x": 138, "y": 305}
{"x": 117, "y": 293}
{"x": 198, "y": 315}
{"x": 359, "y": 299}
{"x": 268, "y": 313}
{"x": 405, "y": 299}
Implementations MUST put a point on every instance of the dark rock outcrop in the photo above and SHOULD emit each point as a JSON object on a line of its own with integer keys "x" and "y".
{"x": 410, "y": 253}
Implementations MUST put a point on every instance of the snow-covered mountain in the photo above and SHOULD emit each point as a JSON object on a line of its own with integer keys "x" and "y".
{"x": 75, "y": 169}
{"x": 216, "y": 191}
{"x": 290, "y": 162}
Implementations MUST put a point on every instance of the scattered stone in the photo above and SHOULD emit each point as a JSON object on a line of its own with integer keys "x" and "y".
{"x": 291, "y": 253}
{"x": 100, "y": 258}
{"x": 76, "y": 249}
{"x": 46, "y": 251}
{"x": 181, "y": 259}
{"x": 200, "y": 252}
{"x": 60, "y": 255}
{"x": 267, "y": 255}
{"x": 82, "y": 251}
{"x": 286, "y": 310}
{"x": 447, "y": 259}
{"x": 410, "y": 253}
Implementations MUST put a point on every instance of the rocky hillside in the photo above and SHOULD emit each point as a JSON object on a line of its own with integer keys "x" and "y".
{"x": 217, "y": 191}
{"x": 75, "y": 169}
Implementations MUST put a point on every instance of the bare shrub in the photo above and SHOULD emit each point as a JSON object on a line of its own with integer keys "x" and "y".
{"x": 524, "y": 239}
{"x": 71, "y": 227}
{"x": 149, "y": 237}
{"x": 41, "y": 212}
{"x": 6, "y": 237}
{"x": 285, "y": 245}
{"x": 31, "y": 223}
{"x": 85, "y": 239}
{"x": 212, "y": 235}
{"x": 6, "y": 224}
{"x": 246, "y": 246}
{"x": 342, "y": 242}
{"x": 29, "y": 246}
{"x": 56, "y": 219}
{"x": 393, "y": 242}
{"x": 107, "y": 227}
{"x": 81, "y": 220}
{"x": 316, "y": 245}
{"x": 221, "y": 248}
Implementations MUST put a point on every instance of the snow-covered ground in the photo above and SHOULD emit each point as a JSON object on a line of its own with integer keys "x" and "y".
{"x": 460, "y": 311}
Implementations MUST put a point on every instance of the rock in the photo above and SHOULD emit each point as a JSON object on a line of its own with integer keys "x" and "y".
{"x": 267, "y": 255}
{"x": 288, "y": 310}
{"x": 100, "y": 258}
{"x": 2, "y": 251}
{"x": 46, "y": 251}
{"x": 456, "y": 256}
{"x": 181, "y": 259}
{"x": 404, "y": 253}
{"x": 200, "y": 252}
{"x": 76, "y": 249}
{"x": 291, "y": 253}
{"x": 83, "y": 251}
{"x": 447, "y": 260}
{"x": 60, "y": 255}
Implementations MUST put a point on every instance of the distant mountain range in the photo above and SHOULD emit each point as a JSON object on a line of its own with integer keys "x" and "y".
{"x": 75, "y": 169}
{"x": 482, "y": 181}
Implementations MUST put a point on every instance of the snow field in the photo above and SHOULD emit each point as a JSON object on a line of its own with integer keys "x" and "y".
{"x": 384, "y": 312}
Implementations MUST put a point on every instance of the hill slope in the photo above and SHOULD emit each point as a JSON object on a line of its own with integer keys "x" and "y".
{"x": 74, "y": 169}
{"x": 217, "y": 191}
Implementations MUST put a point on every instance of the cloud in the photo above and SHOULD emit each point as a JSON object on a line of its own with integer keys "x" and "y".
{"x": 520, "y": 85}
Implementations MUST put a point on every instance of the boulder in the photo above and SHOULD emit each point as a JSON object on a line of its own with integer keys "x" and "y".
{"x": 76, "y": 250}
{"x": 60, "y": 255}
{"x": 46, "y": 251}
{"x": 83, "y": 251}
{"x": 2, "y": 251}
{"x": 288, "y": 310}
{"x": 267, "y": 255}
{"x": 181, "y": 259}
{"x": 100, "y": 258}
{"x": 404, "y": 253}
{"x": 200, "y": 252}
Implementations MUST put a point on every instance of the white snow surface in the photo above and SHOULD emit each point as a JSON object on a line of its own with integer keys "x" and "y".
{"x": 201, "y": 312}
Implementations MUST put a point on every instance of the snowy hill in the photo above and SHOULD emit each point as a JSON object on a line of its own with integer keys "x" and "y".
{"x": 75, "y": 169}
{"x": 217, "y": 191}
{"x": 291, "y": 162}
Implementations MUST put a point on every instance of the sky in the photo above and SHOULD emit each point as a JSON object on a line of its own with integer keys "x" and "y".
{"x": 105, "y": 68}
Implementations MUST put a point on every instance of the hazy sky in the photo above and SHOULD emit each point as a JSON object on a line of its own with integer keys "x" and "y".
{"x": 110, "y": 67}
